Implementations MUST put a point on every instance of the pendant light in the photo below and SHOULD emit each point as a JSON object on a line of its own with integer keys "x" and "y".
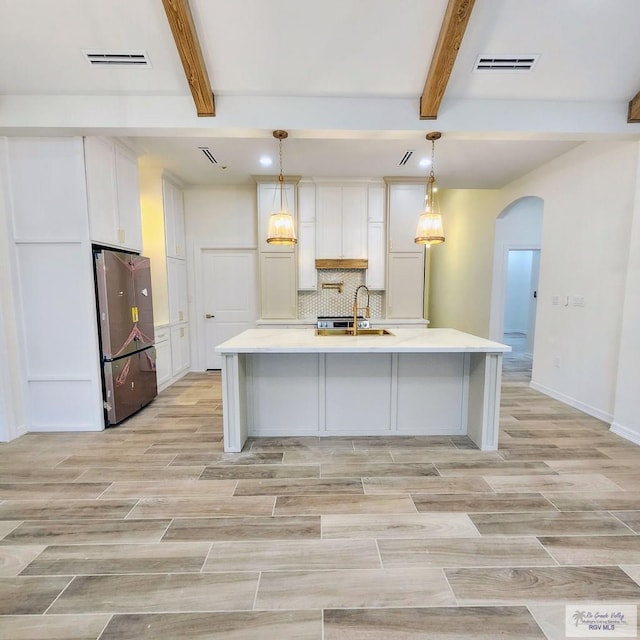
{"x": 429, "y": 229}
{"x": 281, "y": 229}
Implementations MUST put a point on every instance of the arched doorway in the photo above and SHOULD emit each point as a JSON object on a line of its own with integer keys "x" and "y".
{"x": 518, "y": 241}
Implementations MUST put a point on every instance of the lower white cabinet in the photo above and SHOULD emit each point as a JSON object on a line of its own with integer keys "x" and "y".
{"x": 278, "y": 291}
{"x": 164, "y": 371}
{"x": 180, "y": 349}
{"x": 405, "y": 285}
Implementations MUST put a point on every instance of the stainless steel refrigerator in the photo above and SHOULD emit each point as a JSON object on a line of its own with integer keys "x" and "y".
{"x": 125, "y": 318}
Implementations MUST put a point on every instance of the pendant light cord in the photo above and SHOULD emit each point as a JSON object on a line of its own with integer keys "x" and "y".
{"x": 281, "y": 178}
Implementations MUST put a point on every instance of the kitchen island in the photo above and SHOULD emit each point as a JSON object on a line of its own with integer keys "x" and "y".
{"x": 292, "y": 382}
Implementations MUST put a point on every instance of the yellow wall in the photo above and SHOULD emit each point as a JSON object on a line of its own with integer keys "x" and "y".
{"x": 461, "y": 267}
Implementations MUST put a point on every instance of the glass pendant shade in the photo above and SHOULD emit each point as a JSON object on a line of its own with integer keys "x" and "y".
{"x": 429, "y": 229}
{"x": 281, "y": 229}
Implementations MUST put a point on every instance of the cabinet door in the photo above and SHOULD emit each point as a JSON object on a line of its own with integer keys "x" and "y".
{"x": 376, "y": 251}
{"x": 163, "y": 362}
{"x": 268, "y": 203}
{"x": 180, "y": 358}
{"x": 329, "y": 222}
{"x": 406, "y": 203}
{"x": 354, "y": 222}
{"x": 278, "y": 297}
{"x": 128, "y": 192}
{"x": 405, "y": 285}
{"x": 177, "y": 286}
{"x": 307, "y": 275}
{"x": 173, "y": 205}
{"x": 102, "y": 199}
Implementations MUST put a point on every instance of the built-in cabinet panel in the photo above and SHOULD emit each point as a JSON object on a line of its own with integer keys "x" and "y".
{"x": 406, "y": 203}
{"x": 112, "y": 194}
{"x": 173, "y": 204}
{"x": 278, "y": 297}
{"x": 405, "y": 285}
{"x": 341, "y": 221}
{"x": 278, "y": 268}
{"x": 55, "y": 297}
{"x": 177, "y": 289}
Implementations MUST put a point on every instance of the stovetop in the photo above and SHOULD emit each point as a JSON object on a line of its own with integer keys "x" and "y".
{"x": 335, "y": 322}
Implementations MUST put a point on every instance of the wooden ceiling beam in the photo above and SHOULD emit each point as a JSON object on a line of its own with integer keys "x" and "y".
{"x": 634, "y": 109}
{"x": 188, "y": 45}
{"x": 454, "y": 24}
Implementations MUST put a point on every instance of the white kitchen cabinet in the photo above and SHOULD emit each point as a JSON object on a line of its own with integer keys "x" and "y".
{"x": 406, "y": 203}
{"x": 307, "y": 274}
{"x": 177, "y": 290}
{"x": 268, "y": 203}
{"x": 341, "y": 221}
{"x": 278, "y": 292}
{"x": 180, "y": 349}
{"x": 113, "y": 194}
{"x": 376, "y": 238}
{"x": 173, "y": 206}
{"x": 164, "y": 371}
{"x": 405, "y": 285}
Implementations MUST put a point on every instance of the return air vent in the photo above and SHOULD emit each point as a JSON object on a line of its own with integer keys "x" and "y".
{"x": 405, "y": 158}
{"x": 209, "y": 156}
{"x": 506, "y": 63}
{"x": 117, "y": 58}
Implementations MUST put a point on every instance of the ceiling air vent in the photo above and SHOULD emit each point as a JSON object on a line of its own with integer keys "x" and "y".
{"x": 207, "y": 152}
{"x": 405, "y": 158}
{"x": 506, "y": 63}
{"x": 117, "y": 58}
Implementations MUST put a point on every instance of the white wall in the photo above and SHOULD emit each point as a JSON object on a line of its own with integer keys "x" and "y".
{"x": 588, "y": 198}
{"x": 516, "y": 310}
{"x": 627, "y": 403}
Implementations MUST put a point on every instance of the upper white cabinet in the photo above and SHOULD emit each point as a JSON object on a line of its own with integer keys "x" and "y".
{"x": 173, "y": 206}
{"x": 405, "y": 286}
{"x": 406, "y": 203}
{"x": 177, "y": 289}
{"x": 341, "y": 221}
{"x": 307, "y": 274}
{"x": 376, "y": 244}
{"x": 113, "y": 194}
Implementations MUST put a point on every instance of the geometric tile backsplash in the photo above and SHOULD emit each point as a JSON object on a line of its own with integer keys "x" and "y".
{"x": 330, "y": 302}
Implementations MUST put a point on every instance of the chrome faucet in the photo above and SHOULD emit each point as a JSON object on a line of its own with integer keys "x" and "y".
{"x": 356, "y": 308}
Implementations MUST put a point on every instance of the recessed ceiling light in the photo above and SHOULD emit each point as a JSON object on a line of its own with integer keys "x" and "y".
{"x": 424, "y": 162}
{"x": 266, "y": 161}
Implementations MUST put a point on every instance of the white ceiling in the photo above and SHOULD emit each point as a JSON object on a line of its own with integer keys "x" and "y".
{"x": 343, "y": 76}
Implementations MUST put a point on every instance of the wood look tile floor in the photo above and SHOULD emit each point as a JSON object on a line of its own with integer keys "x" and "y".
{"x": 150, "y": 531}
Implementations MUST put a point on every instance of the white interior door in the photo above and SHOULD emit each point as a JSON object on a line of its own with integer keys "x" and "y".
{"x": 229, "y": 297}
{"x": 533, "y": 298}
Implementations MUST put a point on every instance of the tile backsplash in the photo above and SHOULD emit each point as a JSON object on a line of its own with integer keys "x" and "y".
{"x": 330, "y": 302}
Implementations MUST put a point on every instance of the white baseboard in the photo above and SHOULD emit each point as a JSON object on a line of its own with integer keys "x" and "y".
{"x": 572, "y": 402}
{"x": 625, "y": 432}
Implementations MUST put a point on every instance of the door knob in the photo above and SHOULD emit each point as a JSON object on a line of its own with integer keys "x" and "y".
{"x": 209, "y": 315}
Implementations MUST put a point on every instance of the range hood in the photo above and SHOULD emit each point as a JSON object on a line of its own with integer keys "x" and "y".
{"x": 342, "y": 263}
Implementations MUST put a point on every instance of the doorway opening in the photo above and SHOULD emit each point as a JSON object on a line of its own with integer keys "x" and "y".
{"x": 520, "y": 302}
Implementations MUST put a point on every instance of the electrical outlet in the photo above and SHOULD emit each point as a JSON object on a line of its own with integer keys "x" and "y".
{"x": 556, "y": 362}
{"x": 555, "y": 300}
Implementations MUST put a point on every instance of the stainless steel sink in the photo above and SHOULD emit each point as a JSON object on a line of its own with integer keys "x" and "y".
{"x": 349, "y": 332}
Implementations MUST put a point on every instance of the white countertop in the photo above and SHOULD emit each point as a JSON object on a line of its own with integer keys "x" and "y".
{"x": 403, "y": 340}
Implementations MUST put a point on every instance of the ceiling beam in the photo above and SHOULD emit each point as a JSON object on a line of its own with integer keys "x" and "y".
{"x": 634, "y": 109}
{"x": 454, "y": 24}
{"x": 184, "y": 33}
